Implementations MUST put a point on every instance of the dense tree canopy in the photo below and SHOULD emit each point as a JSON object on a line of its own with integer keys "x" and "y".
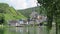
{"x": 2, "y": 11}
{"x": 52, "y": 8}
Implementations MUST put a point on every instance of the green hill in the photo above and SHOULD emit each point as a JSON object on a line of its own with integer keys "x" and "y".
{"x": 13, "y": 14}
{"x": 9, "y": 13}
{"x": 27, "y": 12}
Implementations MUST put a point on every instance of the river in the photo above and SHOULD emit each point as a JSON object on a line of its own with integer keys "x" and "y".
{"x": 29, "y": 30}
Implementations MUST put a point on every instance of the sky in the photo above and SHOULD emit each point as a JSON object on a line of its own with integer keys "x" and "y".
{"x": 20, "y": 4}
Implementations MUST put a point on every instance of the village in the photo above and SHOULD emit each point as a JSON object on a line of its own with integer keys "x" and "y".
{"x": 35, "y": 19}
{"x": 29, "y": 16}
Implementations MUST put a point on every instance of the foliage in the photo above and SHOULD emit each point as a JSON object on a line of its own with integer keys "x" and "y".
{"x": 9, "y": 13}
{"x": 53, "y": 11}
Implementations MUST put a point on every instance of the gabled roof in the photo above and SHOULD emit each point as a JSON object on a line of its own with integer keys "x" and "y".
{"x": 34, "y": 14}
{"x": 13, "y": 21}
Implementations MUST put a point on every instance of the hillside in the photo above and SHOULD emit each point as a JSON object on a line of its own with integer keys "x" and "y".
{"x": 27, "y": 12}
{"x": 13, "y": 14}
{"x": 9, "y": 13}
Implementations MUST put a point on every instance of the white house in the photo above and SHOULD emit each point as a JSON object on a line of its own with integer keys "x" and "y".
{"x": 21, "y": 22}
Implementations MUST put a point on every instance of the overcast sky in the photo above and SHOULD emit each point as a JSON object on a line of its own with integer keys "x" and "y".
{"x": 21, "y": 4}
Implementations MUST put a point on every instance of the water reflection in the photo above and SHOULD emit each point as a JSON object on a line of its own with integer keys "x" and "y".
{"x": 29, "y": 30}
{"x": 1, "y": 31}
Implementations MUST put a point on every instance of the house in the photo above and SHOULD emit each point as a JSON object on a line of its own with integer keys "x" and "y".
{"x": 17, "y": 22}
{"x": 37, "y": 18}
{"x": 34, "y": 14}
{"x": 21, "y": 21}
{"x": 41, "y": 19}
{"x": 14, "y": 23}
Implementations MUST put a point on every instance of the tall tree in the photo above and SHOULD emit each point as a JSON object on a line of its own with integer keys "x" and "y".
{"x": 1, "y": 16}
{"x": 53, "y": 9}
{"x": 3, "y": 10}
{"x": 48, "y": 5}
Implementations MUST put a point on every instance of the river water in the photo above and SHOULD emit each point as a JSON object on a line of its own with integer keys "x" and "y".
{"x": 29, "y": 30}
